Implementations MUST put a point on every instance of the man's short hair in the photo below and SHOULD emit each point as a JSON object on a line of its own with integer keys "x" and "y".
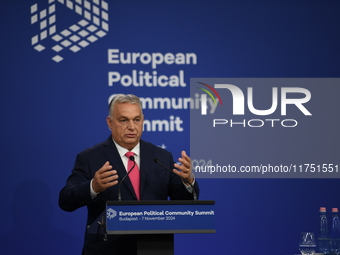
{"x": 121, "y": 99}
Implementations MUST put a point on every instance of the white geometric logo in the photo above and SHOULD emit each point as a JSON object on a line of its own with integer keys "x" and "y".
{"x": 92, "y": 25}
{"x": 110, "y": 213}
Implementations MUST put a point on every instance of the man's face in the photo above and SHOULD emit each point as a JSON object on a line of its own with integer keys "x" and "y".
{"x": 126, "y": 124}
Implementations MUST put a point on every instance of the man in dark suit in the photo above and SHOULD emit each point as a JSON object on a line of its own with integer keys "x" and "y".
{"x": 99, "y": 169}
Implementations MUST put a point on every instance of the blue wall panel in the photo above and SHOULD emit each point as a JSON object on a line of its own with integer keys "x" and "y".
{"x": 51, "y": 111}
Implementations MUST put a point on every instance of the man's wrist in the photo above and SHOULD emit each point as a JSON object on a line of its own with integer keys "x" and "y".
{"x": 190, "y": 186}
{"x": 93, "y": 193}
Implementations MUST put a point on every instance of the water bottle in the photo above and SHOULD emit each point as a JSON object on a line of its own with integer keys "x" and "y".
{"x": 335, "y": 232}
{"x": 324, "y": 240}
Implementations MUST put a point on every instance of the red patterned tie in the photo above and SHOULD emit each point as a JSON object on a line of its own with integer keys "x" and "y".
{"x": 134, "y": 174}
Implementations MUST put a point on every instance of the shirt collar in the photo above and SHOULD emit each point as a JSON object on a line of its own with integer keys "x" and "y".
{"x": 121, "y": 150}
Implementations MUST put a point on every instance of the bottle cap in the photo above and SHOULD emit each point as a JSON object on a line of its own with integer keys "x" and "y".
{"x": 322, "y": 209}
{"x": 335, "y": 210}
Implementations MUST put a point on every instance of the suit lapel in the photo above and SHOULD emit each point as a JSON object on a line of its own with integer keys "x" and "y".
{"x": 145, "y": 161}
{"x": 114, "y": 158}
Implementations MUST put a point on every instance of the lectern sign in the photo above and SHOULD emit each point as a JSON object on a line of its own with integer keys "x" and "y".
{"x": 160, "y": 217}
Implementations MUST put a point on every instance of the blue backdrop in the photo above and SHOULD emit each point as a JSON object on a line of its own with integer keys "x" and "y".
{"x": 55, "y": 74}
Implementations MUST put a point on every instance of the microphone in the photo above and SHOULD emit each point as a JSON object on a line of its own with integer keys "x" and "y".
{"x": 185, "y": 180}
{"x": 132, "y": 158}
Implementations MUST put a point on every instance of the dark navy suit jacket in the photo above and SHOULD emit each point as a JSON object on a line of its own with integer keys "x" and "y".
{"x": 156, "y": 184}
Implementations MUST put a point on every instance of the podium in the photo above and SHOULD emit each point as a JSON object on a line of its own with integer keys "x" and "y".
{"x": 156, "y": 222}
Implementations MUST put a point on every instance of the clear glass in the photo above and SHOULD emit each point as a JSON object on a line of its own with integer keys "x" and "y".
{"x": 307, "y": 244}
